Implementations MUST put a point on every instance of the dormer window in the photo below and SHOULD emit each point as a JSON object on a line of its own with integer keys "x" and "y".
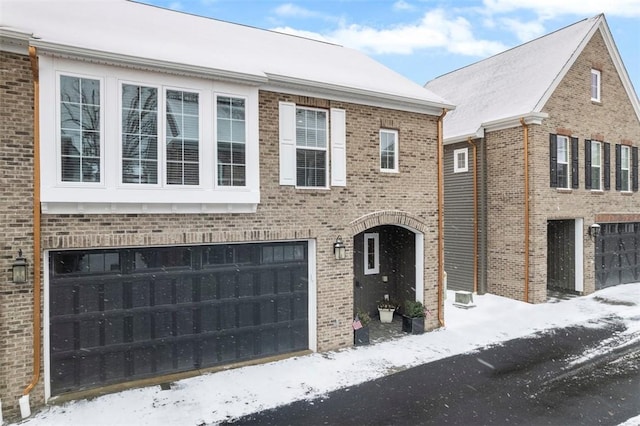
{"x": 595, "y": 85}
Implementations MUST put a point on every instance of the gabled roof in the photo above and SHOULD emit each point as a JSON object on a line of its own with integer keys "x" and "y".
{"x": 498, "y": 91}
{"x": 137, "y": 34}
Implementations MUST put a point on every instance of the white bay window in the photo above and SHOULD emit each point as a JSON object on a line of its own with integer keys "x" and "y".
{"x": 118, "y": 140}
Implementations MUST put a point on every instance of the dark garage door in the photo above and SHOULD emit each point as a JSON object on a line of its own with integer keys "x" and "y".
{"x": 126, "y": 314}
{"x": 617, "y": 254}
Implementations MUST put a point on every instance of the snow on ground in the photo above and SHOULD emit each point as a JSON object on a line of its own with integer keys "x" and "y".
{"x": 219, "y": 396}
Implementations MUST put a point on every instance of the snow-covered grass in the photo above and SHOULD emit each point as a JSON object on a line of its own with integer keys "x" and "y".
{"x": 228, "y": 394}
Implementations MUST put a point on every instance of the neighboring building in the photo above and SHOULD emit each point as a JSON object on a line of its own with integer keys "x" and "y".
{"x": 191, "y": 178}
{"x": 545, "y": 139}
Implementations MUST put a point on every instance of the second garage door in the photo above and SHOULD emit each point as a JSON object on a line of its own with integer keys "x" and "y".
{"x": 617, "y": 254}
{"x": 125, "y": 314}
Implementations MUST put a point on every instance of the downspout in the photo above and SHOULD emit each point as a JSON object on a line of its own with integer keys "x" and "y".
{"x": 475, "y": 214}
{"x": 441, "y": 219}
{"x": 36, "y": 223}
{"x": 525, "y": 136}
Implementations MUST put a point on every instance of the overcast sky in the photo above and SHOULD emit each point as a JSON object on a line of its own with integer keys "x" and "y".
{"x": 423, "y": 39}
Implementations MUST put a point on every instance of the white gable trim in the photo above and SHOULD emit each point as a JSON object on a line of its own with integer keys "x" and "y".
{"x": 501, "y": 124}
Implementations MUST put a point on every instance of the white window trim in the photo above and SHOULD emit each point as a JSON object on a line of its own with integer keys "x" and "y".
{"x": 111, "y": 196}
{"x": 568, "y": 162}
{"x": 58, "y": 133}
{"x": 628, "y": 168}
{"x": 395, "y": 168}
{"x": 598, "y": 75}
{"x": 215, "y": 139}
{"x": 376, "y": 255}
{"x": 457, "y": 167}
{"x": 597, "y": 145}
{"x": 326, "y": 149}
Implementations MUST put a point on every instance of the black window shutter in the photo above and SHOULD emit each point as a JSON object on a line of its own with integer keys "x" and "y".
{"x": 634, "y": 168}
{"x": 587, "y": 164}
{"x": 553, "y": 160}
{"x": 607, "y": 166}
{"x": 618, "y": 168}
{"x": 575, "y": 179}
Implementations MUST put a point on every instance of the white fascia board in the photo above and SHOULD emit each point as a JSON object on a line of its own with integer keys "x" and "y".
{"x": 478, "y": 134}
{"x": 14, "y": 41}
{"x": 509, "y": 122}
{"x": 352, "y": 94}
{"x": 147, "y": 63}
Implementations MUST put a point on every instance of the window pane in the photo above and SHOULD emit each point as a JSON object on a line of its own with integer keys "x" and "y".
{"x": 595, "y": 178}
{"x": 231, "y": 140}
{"x": 563, "y": 176}
{"x": 139, "y": 134}
{"x": 182, "y": 138}
{"x": 80, "y": 129}
{"x": 310, "y": 168}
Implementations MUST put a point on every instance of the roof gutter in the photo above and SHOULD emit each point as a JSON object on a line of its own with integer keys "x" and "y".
{"x": 389, "y": 99}
{"x": 500, "y": 124}
{"x": 147, "y": 63}
{"x": 441, "y": 220}
{"x": 24, "y": 403}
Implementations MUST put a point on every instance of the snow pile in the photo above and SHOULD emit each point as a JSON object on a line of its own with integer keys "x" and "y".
{"x": 228, "y": 394}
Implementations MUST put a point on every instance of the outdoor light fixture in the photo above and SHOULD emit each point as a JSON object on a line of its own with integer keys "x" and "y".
{"x": 339, "y": 249}
{"x": 594, "y": 230}
{"x": 19, "y": 269}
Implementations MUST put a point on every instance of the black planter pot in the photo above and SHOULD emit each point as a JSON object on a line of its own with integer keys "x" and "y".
{"x": 413, "y": 325}
{"x": 361, "y": 336}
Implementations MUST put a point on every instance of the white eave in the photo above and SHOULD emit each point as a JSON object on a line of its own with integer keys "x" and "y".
{"x": 389, "y": 100}
{"x": 145, "y": 63}
{"x": 501, "y": 124}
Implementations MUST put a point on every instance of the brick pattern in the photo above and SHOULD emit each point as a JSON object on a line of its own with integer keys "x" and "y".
{"x": 16, "y": 228}
{"x": 370, "y": 198}
{"x": 571, "y": 112}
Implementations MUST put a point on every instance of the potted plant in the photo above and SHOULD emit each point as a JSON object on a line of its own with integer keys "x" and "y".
{"x": 386, "y": 308}
{"x": 413, "y": 317}
{"x": 361, "y": 328}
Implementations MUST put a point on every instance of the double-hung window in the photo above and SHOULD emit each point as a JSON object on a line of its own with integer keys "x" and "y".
{"x": 596, "y": 166}
{"x": 625, "y": 168}
{"x": 311, "y": 147}
{"x": 563, "y": 162}
{"x": 80, "y": 129}
{"x": 231, "y": 140}
{"x": 388, "y": 150}
{"x": 595, "y": 85}
{"x": 139, "y": 134}
{"x": 563, "y": 153}
{"x": 182, "y": 137}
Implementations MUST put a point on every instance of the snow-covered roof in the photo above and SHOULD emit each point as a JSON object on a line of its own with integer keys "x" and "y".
{"x": 125, "y": 31}
{"x": 518, "y": 82}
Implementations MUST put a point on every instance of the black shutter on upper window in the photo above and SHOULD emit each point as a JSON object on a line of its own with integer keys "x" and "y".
{"x": 634, "y": 169}
{"x": 575, "y": 178}
{"x": 553, "y": 160}
{"x": 618, "y": 168}
{"x": 607, "y": 166}
{"x": 587, "y": 164}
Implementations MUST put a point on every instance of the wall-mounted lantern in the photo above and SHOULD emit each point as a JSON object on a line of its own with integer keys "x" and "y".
{"x": 339, "y": 250}
{"x": 594, "y": 231}
{"x": 19, "y": 269}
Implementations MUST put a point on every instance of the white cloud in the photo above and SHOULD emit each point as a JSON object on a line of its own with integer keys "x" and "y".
{"x": 552, "y": 8}
{"x": 402, "y": 6}
{"x": 435, "y": 30}
{"x": 290, "y": 10}
{"x": 525, "y": 31}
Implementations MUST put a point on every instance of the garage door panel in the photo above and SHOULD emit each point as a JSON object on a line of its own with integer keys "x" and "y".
{"x": 617, "y": 254}
{"x": 130, "y": 314}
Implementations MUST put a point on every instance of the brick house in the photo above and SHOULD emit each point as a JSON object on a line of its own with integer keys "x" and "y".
{"x": 541, "y": 153}
{"x": 177, "y": 195}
